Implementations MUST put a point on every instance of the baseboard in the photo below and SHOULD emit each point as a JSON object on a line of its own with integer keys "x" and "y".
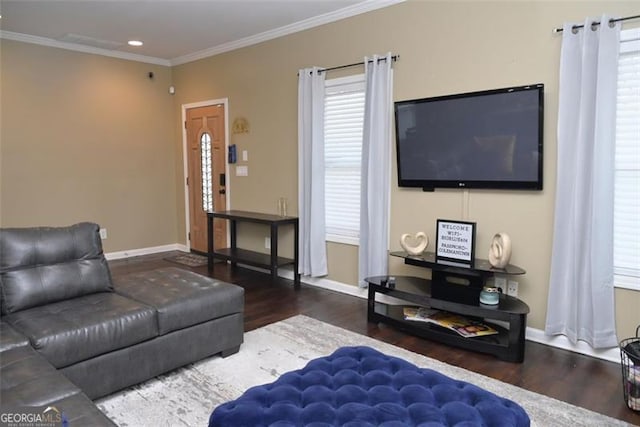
{"x": 331, "y": 285}
{"x": 560, "y": 341}
{"x": 145, "y": 251}
{"x": 531, "y": 334}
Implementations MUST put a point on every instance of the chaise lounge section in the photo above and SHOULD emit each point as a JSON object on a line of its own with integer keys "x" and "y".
{"x": 68, "y": 334}
{"x": 28, "y": 380}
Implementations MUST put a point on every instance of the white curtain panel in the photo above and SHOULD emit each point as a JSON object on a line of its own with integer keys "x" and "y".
{"x": 312, "y": 247}
{"x": 581, "y": 292}
{"x": 376, "y": 165}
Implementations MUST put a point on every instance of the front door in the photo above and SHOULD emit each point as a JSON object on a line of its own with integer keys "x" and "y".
{"x": 206, "y": 174}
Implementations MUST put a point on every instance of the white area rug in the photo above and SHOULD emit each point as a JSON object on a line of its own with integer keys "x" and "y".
{"x": 187, "y": 396}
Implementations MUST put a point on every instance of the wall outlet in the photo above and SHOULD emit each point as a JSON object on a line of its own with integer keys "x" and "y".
{"x": 103, "y": 233}
{"x": 267, "y": 242}
{"x": 512, "y": 288}
{"x": 500, "y": 282}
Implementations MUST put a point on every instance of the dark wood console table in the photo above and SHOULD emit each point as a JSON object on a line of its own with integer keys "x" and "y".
{"x": 257, "y": 259}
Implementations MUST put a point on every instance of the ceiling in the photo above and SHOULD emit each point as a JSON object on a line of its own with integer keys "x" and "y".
{"x": 173, "y": 31}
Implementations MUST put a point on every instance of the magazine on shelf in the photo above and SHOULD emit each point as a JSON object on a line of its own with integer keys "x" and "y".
{"x": 419, "y": 314}
{"x": 462, "y": 325}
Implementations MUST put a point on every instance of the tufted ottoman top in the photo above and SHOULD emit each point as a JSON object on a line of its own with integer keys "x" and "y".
{"x": 359, "y": 386}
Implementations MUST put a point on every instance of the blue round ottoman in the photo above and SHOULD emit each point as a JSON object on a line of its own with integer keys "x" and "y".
{"x": 359, "y": 386}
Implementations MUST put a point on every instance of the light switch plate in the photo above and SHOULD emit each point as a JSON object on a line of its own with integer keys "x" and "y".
{"x": 512, "y": 288}
{"x": 245, "y": 156}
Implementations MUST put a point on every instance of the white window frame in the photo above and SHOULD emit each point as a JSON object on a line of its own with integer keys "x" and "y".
{"x": 355, "y": 82}
{"x": 629, "y": 42}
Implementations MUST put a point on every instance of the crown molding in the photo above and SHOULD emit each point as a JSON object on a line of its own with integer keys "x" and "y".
{"x": 45, "y": 41}
{"x": 347, "y": 12}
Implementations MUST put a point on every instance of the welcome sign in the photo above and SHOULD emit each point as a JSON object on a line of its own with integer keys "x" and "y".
{"x": 455, "y": 241}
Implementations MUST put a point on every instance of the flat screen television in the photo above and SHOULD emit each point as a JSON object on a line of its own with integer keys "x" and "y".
{"x": 490, "y": 139}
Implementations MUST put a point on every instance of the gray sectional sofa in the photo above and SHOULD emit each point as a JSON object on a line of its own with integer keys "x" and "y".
{"x": 68, "y": 334}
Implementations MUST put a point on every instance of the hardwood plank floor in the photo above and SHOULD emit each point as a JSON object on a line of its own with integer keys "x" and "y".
{"x": 580, "y": 380}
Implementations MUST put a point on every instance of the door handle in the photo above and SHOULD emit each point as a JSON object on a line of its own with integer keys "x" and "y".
{"x": 222, "y": 191}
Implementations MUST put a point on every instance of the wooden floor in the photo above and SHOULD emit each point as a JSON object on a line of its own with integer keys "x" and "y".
{"x": 580, "y": 380}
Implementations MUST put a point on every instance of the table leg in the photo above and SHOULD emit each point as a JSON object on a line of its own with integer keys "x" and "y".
{"x": 210, "y": 242}
{"x": 274, "y": 251}
{"x": 517, "y": 332}
{"x": 296, "y": 271}
{"x": 232, "y": 234}
{"x": 371, "y": 303}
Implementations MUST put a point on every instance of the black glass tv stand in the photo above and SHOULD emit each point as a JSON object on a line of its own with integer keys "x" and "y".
{"x": 508, "y": 317}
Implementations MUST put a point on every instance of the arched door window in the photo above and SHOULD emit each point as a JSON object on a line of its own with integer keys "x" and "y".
{"x": 205, "y": 162}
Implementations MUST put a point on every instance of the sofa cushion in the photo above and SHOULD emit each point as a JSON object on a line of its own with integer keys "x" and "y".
{"x": 29, "y": 380}
{"x": 182, "y": 298}
{"x": 10, "y": 338}
{"x": 41, "y": 265}
{"x": 70, "y": 331}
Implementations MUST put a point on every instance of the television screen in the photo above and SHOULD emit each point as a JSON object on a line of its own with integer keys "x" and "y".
{"x": 490, "y": 139}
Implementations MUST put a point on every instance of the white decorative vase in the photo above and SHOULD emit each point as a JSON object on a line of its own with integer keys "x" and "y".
{"x": 417, "y": 246}
{"x": 500, "y": 250}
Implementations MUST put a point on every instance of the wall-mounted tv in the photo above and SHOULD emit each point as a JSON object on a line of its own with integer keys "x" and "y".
{"x": 490, "y": 139}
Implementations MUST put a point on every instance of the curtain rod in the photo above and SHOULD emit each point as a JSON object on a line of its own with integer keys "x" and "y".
{"x": 394, "y": 58}
{"x": 596, "y": 23}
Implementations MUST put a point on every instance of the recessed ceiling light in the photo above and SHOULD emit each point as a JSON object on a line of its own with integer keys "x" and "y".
{"x": 135, "y": 43}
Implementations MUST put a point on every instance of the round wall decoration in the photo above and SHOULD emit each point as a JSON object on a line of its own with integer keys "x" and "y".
{"x": 500, "y": 250}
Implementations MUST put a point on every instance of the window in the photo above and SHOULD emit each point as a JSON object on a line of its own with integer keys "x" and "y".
{"x": 627, "y": 163}
{"x": 343, "y": 124}
{"x": 205, "y": 164}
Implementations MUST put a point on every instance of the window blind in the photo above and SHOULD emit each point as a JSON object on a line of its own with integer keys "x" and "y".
{"x": 343, "y": 124}
{"x": 627, "y": 164}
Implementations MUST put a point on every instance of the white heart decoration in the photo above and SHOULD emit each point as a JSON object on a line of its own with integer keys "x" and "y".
{"x": 500, "y": 250}
{"x": 421, "y": 242}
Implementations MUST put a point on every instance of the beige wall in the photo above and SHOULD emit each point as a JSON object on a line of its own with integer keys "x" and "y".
{"x": 445, "y": 47}
{"x": 86, "y": 137}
